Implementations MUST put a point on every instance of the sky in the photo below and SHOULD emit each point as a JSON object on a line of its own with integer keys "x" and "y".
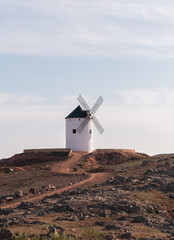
{"x": 53, "y": 50}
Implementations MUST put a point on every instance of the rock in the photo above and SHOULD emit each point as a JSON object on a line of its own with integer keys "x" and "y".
{"x": 44, "y": 187}
{"x": 4, "y": 222}
{"x": 109, "y": 237}
{"x": 32, "y": 190}
{"x": 62, "y": 208}
{"x": 145, "y": 163}
{"x": 60, "y": 229}
{"x": 48, "y": 187}
{"x": 37, "y": 222}
{"x": 6, "y": 234}
{"x": 169, "y": 187}
{"x": 111, "y": 226}
{"x": 6, "y": 211}
{"x": 122, "y": 218}
{"x": 167, "y": 165}
{"x": 8, "y": 199}
{"x": 100, "y": 223}
{"x": 9, "y": 170}
{"x": 105, "y": 213}
{"x": 55, "y": 230}
{"x": 71, "y": 218}
{"x": 52, "y": 231}
{"x": 51, "y": 187}
{"x": 171, "y": 195}
{"x": 139, "y": 219}
{"x": 129, "y": 207}
{"x": 172, "y": 213}
{"x": 117, "y": 180}
{"x": 127, "y": 235}
{"x": 18, "y": 194}
{"x": 41, "y": 214}
{"x": 26, "y": 205}
{"x": 84, "y": 174}
{"x": 150, "y": 171}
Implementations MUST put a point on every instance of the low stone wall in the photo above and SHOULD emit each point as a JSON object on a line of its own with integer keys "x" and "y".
{"x": 116, "y": 150}
{"x": 49, "y": 150}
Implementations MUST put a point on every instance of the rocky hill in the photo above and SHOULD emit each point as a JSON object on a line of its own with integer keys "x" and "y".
{"x": 123, "y": 195}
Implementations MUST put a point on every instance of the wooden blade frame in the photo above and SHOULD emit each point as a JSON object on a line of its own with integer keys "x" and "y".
{"x": 91, "y": 116}
{"x": 97, "y": 105}
{"x": 83, "y": 125}
{"x": 83, "y": 103}
{"x": 97, "y": 125}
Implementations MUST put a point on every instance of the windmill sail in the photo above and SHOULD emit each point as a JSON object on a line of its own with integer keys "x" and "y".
{"x": 83, "y": 103}
{"x": 98, "y": 125}
{"x": 83, "y": 125}
{"x": 90, "y": 115}
{"x": 97, "y": 105}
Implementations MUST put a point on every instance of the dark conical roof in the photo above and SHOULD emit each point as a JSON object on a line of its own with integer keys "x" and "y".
{"x": 77, "y": 113}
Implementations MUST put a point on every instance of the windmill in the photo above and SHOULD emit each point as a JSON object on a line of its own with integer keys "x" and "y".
{"x": 79, "y": 126}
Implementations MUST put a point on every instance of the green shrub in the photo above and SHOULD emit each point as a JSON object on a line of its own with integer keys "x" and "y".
{"x": 25, "y": 236}
{"x": 92, "y": 234}
{"x": 88, "y": 234}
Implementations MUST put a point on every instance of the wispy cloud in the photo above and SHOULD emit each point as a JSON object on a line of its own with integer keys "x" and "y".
{"x": 14, "y": 99}
{"x": 4, "y": 98}
{"x": 69, "y": 99}
{"x": 29, "y": 99}
{"x": 92, "y": 28}
{"x": 74, "y": 100}
{"x": 149, "y": 98}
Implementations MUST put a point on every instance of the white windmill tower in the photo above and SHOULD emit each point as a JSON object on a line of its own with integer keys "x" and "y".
{"x": 79, "y": 126}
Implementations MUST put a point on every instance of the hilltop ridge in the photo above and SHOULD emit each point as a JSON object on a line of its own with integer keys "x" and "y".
{"x": 124, "y": 194}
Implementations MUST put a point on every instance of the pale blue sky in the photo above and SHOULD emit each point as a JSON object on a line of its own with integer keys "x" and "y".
{"x": 52, "y": 50}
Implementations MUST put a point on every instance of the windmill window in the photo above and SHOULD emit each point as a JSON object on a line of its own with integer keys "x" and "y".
{"x": 90, "y": 131}
{"x": 74, "y": 131}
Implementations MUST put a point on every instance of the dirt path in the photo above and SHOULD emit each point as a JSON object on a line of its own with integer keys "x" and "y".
{"x": 21, "y": 169}
{"x": 66, "y": 167}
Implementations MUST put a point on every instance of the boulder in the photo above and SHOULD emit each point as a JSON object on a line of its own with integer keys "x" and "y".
{"x": 6, "y": 234}
{"x": 111, "y": 226}
{"x": 26, "y": 205}
{"x": 127, "y": 236}
{"x": 8, "y": 199}
{"x": 18, "y": 194}
{"x": 52, "y": 231}
{"x": 9, "y": 170}
{"x": 6, "y": 211}
{"x": 145, "y": 163}
{"x": 55, "y": 230}
{"x": 150, "y": 171}
{"x": 170, "y": 187}
{"x": 62, "y": 208}
{"x": 51, "y": 187}
{"x": 32, "y": 190}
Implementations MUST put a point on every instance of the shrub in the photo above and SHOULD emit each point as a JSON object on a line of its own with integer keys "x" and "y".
{"x": 88, "y": 234}
{"x": 92, "y": 234}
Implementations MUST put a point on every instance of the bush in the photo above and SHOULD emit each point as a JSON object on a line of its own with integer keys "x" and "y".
{"x": 88, "y": 234}
{"x": 25, "y": 236}
{"x": 92, "y": 234}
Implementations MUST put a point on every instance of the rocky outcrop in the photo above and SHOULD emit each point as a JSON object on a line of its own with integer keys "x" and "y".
{"x": 113, "y": 205}
{"x": 6, "y": 234}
